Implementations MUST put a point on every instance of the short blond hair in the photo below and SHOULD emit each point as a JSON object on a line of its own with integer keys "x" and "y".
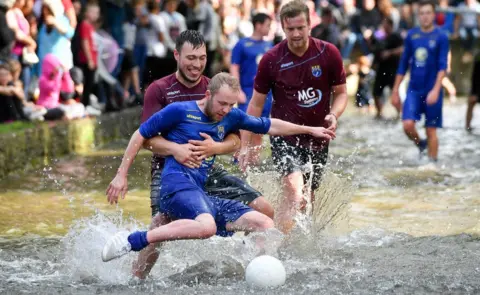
{"x": 293, "y": 9}
{"x": 223, "y": 79}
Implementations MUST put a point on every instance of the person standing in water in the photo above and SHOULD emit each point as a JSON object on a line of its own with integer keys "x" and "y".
{"x": 426, "y": 52}
{"x": 303, "y": 74}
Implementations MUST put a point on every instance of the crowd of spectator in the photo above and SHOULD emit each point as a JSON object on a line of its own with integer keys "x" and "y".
{"x": 66, "y": 59}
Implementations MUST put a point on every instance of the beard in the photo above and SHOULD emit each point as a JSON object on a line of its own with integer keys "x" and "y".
{"x": 208, "y": 109}
{"x": 186, "y": 78}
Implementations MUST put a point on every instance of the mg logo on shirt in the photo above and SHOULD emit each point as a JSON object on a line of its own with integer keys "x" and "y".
{"x": 309, "y": 97}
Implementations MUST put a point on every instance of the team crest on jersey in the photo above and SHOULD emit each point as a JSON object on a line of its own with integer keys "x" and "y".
{"x": 432, "y": 43}
{"x": 316, "y": 71}
{"x": 221, "y": 131}
{"x": 421, "y": 55}
{"x": 208, "y": 162}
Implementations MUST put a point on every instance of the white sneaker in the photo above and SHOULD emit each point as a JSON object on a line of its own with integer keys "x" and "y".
{"x": 91, "y": 111}
{"x": 116, "y": 246}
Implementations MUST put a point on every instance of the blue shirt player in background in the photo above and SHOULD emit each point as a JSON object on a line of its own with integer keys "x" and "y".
{"x": 196, "y": 215}
{"x": 426, "y": 52}
{"x": 246, "y": 55}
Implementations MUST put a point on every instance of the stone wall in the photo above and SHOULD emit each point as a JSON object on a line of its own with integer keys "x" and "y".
{"x": 31, "y": 148}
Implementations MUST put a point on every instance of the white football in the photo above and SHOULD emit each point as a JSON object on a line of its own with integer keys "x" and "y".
{"x": 265, "y": 271}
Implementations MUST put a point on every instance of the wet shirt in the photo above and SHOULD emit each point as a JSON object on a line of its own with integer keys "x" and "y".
{"x": 426, "y": 54}
{"x": 301, "y": 86}
{"x": 183, "y": 121}
{"x": 165, "y": 91}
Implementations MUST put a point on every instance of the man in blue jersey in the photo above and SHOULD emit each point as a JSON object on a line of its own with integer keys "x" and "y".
{"x": 426, "y": 52}
{"x": 246, "y": 56}
{"x": 196, "y": 215}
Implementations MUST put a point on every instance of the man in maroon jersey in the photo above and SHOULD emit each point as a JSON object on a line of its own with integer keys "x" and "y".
{"x": 188, "y": 83}
{"x": 303, "y": 73}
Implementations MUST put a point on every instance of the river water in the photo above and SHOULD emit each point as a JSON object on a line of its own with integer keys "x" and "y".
{"x": 386, "y": 222}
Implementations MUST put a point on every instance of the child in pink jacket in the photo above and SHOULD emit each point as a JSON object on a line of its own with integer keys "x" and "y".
{"x": 54, "y": 80}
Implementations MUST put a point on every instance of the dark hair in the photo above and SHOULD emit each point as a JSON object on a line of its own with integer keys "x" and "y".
{"x": 327, "y": 11}
{"x": 260, "y": 18}
{"x": 189, "y": 36}
{"x": 427, "y": 2}
{"x": 153, "y": 5}
{"x": 293, "y": 9}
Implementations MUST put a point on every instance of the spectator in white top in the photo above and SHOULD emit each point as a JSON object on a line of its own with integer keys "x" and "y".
{"x": 156, "y": 49}
{"x": 205, "y": 16}
{"x": 174, "y": 24}
{"x": 466, "y": 26}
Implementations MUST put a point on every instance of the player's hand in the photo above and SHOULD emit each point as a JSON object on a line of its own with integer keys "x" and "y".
{"x": 396, "y": 100}
{"x": 184, "y": 155}
{"x": 249, "y": 156}
{"x": 117, "y": 187}
{"x": 203, "y": 149}
{"x": 321, "y": 132}
{"x": 432, "y": 96}
{"x": 332, "y": 122}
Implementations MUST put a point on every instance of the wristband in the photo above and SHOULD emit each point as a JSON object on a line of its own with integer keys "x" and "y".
{"x": 334, "y": 116}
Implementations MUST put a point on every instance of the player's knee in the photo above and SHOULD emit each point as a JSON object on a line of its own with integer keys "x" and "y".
{"x": 261, "y": 205}
{"x": 409, "y": 126}
{"x": 265, "y": 223}
{"x": 209, "y": 229}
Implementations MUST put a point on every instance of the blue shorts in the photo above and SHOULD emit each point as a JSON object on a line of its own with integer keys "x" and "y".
{"x": 267, "y": 108}
{"x": 190, "y": 202}
{"x": 415, "y": 105}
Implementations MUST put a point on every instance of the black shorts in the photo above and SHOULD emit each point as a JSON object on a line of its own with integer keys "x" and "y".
{"x": 128, "y": 61}
{"x": 288, "y": 158}
{"x": 475, "y": 88}
{"x": 382, "y": 81}
{"x": 219, "y": 184}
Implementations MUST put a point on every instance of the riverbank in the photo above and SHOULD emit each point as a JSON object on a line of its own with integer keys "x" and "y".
{"x": 38, "y": 145}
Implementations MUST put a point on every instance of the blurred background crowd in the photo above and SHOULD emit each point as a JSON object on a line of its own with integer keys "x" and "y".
{"x": 67, "y": 59}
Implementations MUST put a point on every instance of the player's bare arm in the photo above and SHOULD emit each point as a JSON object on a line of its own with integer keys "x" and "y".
{"x": 119, "y": 186}
{"x": 340, "y": 101}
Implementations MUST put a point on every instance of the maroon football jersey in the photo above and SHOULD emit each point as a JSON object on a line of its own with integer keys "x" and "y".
{"x": 301, "y": 86}
{"x": 164, "y": 92}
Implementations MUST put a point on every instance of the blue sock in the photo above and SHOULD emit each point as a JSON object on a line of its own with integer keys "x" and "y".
{"x": 138, "y": 240}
